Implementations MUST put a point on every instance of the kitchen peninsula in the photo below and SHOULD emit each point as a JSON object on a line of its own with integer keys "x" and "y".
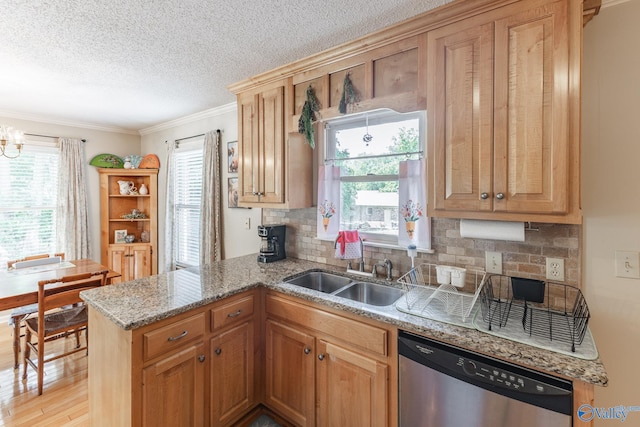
{"x": 181, "y": 323}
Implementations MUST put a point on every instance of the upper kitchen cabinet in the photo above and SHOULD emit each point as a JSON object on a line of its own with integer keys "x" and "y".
{"x": 274, "y": 166}
{"x": 504, "y": 114}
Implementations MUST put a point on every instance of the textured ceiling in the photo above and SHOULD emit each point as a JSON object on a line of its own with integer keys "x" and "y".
{"x": 132, "y": 64}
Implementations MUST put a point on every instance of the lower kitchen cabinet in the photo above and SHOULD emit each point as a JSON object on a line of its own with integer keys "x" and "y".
{"x": 290, "y": 363}
{"x": 351, "y": 388}
{"x": 173, "y": 389}
{"x": 194, "y": 369}
{"x": 326, "y": 370}
{"x": 232, "y": 374}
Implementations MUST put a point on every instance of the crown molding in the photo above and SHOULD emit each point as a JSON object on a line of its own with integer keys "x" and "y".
{"x": 206, "y": 114}
{"x": 49, "y": 120}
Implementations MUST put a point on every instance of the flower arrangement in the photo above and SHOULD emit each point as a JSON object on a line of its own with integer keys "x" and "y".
{"x": 327, "y": 209}
{"x": 411, "y": 211}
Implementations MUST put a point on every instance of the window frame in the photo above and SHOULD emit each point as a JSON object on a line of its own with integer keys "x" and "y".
{"x": 364, "y": 119}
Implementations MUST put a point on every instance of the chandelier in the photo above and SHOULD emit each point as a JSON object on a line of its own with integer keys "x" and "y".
{"x": 9, "y": 135}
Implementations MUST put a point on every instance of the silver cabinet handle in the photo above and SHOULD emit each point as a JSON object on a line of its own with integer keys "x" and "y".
{"x": 307, "y": 350}
{"x": 176, "y": 338}
{"x": 484, "y": 196}
{"x": 236, "y": 314}
{"x": 500, "y": 196}
{"x": 218, "y": 351}
{"x": 201, "y": 358}
{"x": 321, "y": 356}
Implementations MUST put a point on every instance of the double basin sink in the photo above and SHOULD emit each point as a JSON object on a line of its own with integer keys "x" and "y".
{"x": 344, "y": 287}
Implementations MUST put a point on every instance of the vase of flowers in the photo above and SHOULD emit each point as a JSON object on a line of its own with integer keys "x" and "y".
{"x": 411, "y": 212}
{"x": 327, "y": 209}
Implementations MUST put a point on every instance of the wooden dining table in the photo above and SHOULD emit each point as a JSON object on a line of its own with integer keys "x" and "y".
{"x": 20, "y": 287}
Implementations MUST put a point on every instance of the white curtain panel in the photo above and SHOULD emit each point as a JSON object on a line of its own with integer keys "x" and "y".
{"x": 414, "y": 227}
{"x": 169, "y": 249}
{"x": 72, "y": 219}
{"x": 210, "y": 245}
{"x": 328, "y": 223}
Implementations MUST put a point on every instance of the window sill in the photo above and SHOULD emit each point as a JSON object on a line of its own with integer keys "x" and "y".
{"x": 373, "y": 244}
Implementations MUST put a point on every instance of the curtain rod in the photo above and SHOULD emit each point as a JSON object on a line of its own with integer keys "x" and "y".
{"x": 49, "y": 136}
{"x": 189, "y": 137}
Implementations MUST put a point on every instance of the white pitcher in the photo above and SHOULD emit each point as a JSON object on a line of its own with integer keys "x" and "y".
{"x": 126, "y": 187}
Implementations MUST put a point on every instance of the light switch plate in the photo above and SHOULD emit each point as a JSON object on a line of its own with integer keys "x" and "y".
{"x": 493, "y": 262}
{"x": 628, "y": 264}
{"x": 247, "y": 223}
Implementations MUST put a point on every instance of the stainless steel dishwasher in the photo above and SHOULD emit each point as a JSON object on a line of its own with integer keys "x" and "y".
{"x": 446, "y": 386}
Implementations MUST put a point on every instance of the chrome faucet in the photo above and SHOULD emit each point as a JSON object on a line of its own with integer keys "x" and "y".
{"x": 387, "y": 265}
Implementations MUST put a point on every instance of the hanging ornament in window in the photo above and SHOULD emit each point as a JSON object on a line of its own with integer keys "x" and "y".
{"x": 310, "y": 110}
{"x": 367, "y": 137}
{"x": 349, "y": 95}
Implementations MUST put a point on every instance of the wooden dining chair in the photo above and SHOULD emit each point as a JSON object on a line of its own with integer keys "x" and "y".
{"x": 19, "y": 314}
{"x": 60, "y": 313}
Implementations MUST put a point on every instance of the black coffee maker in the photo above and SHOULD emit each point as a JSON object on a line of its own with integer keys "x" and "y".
{"x": 273, "y": 237}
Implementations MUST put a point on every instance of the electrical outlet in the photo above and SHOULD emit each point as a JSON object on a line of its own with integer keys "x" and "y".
{"x": 493, "y": 262}
{"x": 555, "y": 269}
{"x": 627, "y": 264}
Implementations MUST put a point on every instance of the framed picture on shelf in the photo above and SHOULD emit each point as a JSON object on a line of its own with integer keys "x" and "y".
{"x": 233, "y": 192}
{"x": 232, "y": 153}
{"x": 119, "y": 236}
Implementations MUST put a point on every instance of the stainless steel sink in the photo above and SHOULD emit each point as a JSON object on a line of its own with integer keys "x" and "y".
{"x": 370, "y": 293}
{"x": 321, "y": 281}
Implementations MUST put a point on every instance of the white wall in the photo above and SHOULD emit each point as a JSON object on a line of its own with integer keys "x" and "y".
{"x": 98, "y": 142}
{"x": 611, "y": 197}
{"x": 237, "y": 240}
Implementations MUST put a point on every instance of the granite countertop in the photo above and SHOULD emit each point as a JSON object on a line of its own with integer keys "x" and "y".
{"x": 137, "y": 303}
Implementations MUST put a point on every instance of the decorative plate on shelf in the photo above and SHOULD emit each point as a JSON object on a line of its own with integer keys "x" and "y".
{"x": 107, "y": 161}
{"x": 150, "y": 161}
{"x": 135, "y": 160}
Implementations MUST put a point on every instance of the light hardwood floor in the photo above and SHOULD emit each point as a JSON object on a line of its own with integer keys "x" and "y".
{"x": 64, "y": 400}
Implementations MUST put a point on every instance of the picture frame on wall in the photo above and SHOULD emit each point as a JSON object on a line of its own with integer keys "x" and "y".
{"x": 232, "y": 154}
{"x": 119, "y": 236}
{"x": 233, "y": 192}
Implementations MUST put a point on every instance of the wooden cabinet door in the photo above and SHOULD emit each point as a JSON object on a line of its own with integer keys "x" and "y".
{"x": 118, "y": 262}
{"x": 248, "y": 152}
{"x": 173, "y": 389}
{"x": 272, "y": 145}
{"x": 531, "y": 137}
{"x": 460, "y": 109}
{"x": 139, "y": 261}
{"x": 352, "y": 388}
{"x": 290, "y": 373}
{"x": 232, "y": 370}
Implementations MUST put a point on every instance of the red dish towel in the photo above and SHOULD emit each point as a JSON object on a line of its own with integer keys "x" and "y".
{"x": 349, "y": 244}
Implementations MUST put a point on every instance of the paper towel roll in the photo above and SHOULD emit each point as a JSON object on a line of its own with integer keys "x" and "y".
{"x": 493, "y": 230}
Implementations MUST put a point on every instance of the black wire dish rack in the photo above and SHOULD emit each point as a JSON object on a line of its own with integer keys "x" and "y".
{"x": 549, "y": 310}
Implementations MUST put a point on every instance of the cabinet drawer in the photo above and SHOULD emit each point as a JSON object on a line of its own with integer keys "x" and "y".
{"x": 350, "y": 331}
{"x": 231, "y": 312}
{"x": 173, "y": 336}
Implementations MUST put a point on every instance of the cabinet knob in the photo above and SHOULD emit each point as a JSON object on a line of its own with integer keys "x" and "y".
{"x": 307, "y": 350}
{"x": 500, "y": 196}
{"x": 321, "y": 356}
{"x": 484, "y": 196}
{"x": 218, "y": 351}
{"x": 201, "y": 358}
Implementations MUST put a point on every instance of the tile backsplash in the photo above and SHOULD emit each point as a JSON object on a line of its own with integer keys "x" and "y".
{"x": 524, "y": 259}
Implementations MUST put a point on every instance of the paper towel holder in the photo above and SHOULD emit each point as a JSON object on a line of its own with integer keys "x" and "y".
{"x": 530, "y": 228}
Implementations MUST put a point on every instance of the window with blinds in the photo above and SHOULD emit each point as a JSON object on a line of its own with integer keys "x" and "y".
{"x": 28, "y": 203}
{"x": 187, "y": 194}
